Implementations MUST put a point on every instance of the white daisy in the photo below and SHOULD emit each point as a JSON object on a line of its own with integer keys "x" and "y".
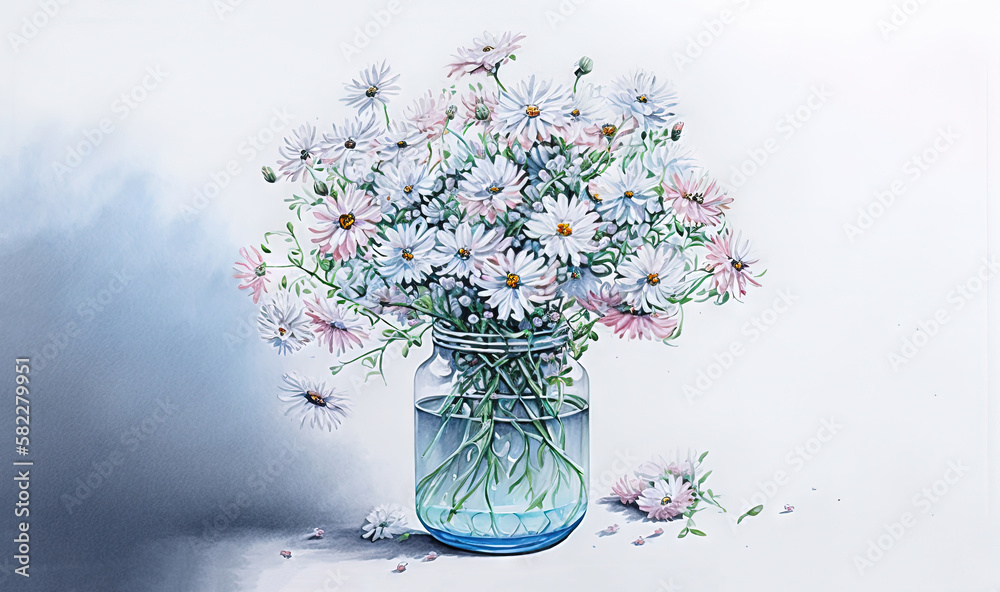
{"x": 588, "y": 107}
{"x": 357, "y": 135}
{"x": 402, "y": 185}
{"x": 405, "y": 254}
{"x": 669, "y": 159}
{"x": 580, "y": 282}
{"x": 651, "y": 276}
{"x": 626, "y": 196}
{"x": 639, "y": 96}
{"x": 282, "y": 322}
{"x": 300, "y": 152}
{"x": 564, "y": 228}
{"x": 322, "y": 407}
{"x": 532, "y": 111}
{"x": 512, "y": 282}
{"x": 463, "y": 251}
{"x": 403, "y": 139}
{"x": 384, "y": 523}
{"x": 373, "y": 89}
{"x": 491, "y": 188}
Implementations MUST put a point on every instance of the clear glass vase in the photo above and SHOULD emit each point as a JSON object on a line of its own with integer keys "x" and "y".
{"x": 502, "y": 441}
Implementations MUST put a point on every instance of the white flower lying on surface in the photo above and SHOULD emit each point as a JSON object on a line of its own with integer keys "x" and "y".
{"x": 313, "y": 401}
{"x": 384, "y": 523}
{"x": 283, "y": 323}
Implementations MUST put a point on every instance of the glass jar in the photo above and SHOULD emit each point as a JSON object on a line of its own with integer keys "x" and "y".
{"x": 502, "y": 441}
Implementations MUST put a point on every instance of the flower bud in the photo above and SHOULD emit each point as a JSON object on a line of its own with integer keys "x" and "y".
{"x": 451, "y": 111}
{"x": 482, "y": 112}
{"x": 268, "y": 173}
{"x": 675, "y": 134}
{"x": 584, "y": 66}
{"x": 320, "y": 188}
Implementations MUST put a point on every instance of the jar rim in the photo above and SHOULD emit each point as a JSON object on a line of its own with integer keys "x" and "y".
{"x": 472, "y": 342}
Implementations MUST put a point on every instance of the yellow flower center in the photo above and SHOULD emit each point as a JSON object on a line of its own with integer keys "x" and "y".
{"x": 401, "y": 144}
{"x": 494, "y": 189}
{"x": 406, "y": 254}
{"x": 315, "y": 398}
{"x": 564, "y": 229}
{"x": 629, "y": 194}
{"x": 596, "y": 196}
{"x": 738, "y": 265}
{"x": 488, "y": 48}
{"x": 282, "y": 331}
{"x": 533, "y": 111}
{"x": 698, "y": 198}
{"x": 609, "y": 130}
{"x": 513, "y": 280}
{"x": 653, "y": 279}
{"x": 665, "y": 501}
{"x": 346, "y": 221}
{"x": 371, "y": 92}
{"x": 408, "y": 189}
{"x": 464, "y": 253}
{"x": 350, "y": 144}
{"x": 575, "y": 112}
{"x": 642, "y": 99}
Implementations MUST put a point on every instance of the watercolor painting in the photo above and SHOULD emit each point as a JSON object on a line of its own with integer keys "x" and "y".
{"x": 402, "y": 295}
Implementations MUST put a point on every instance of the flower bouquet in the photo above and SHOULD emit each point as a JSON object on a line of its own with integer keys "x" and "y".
{"x": 510, "y": 221}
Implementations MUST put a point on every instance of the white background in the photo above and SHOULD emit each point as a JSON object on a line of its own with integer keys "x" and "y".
{"x": 826, "y": 357}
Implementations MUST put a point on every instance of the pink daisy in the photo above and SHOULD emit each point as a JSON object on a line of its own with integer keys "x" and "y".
{"x": 487, "y": 52}
{"x": 666, "y": 499}
{"x": 253, "y": 271}
{"x": 606, "y": 298}
{"x": 729, "y": 262}
{"x": 628, "y": 489}
{"x": 346, "y": 222}
{"x": 427, "y": 114}
{"x": 336, "y": 324}
{"x": 696, "y": 201}
{"x": 639, "y": 325}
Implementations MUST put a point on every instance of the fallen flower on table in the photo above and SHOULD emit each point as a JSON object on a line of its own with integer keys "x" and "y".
{"x": 317, "y": 533}
{"x": 639, "y": 542}
{"x": 286, "y": 554}
{"x": 656, "y": 533}
{"x": 401, "y": 567}
{"x": 609, "y": 530}
{"x": 431, "y": 556}
{"x": 788, "y": 509}
{"x": 384, "y": 522}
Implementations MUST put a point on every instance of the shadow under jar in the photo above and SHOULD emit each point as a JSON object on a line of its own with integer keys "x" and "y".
{"x": 501, "y": 441}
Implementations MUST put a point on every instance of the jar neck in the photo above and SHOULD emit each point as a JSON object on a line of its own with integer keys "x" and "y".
{"x": 497, "y": 343}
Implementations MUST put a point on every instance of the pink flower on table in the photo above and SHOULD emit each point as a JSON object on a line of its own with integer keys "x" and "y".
{"x": 346, "y": 222}
{"x": 485, "y": 54}
{"x": 253, "y": 271}
{"x": 639, "y": 325}
{"x": 628, "y": 489}
{"x": 666, "y": 499}
{"x": 696, "y": 201}
{"x": 729, "y": 261}
{"x": 336, "y": 325}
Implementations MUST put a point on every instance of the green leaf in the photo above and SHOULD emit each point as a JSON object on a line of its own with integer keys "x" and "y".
{"x": 290, "y": 228}
{"x": 682, "y": 533}
{"x": 513, "y": 57}
{"x": 537, "y": 502}
{"x": 703, "y": 455}
{"x": 284, "y": 281}
{"x": 751, "y": 512}
{"x": 697, "y": 532}
{"x": 404, "y": 537}
{"x": 335, "y": 370}
{"x": 265, "y": 249}
{"x": 703, "y": 477}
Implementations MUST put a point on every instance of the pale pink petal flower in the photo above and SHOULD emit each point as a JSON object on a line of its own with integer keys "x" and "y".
{"x": 666, "y": 498}
{"x": 337, "y": 326}
{"x": 696, "y": 201}
{"x": 345, "y": 223}
{"x": 729, "y": 262}
{"x": 253, "y": 271}
{"x": 634, "y": 324}
{"x": 628, "y": 489}
{"x": 485, "y": 54}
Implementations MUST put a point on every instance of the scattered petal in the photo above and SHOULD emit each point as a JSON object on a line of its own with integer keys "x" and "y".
{"x": 431, "y": 556}
{"x": 401, "y": 567}
{"x": 286, "y": 554}
{"x": 639, "y": 542}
